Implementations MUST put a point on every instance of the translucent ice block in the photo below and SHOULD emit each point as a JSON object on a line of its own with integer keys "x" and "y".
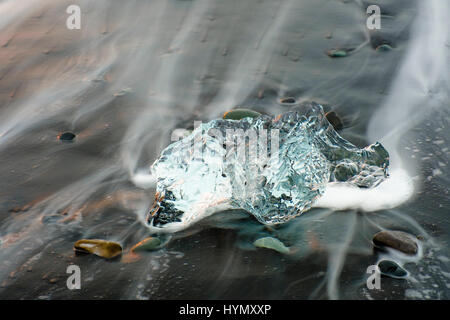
{"x": 274, "y": 168}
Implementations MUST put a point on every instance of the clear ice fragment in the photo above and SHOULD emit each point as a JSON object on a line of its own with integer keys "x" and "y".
{"x": 274, "y": 168}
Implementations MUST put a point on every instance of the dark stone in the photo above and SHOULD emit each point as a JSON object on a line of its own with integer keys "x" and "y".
{"x": 66, "y": 136}
{"x": 238, "y": 114}
{"x": 335, "y": 120}
{"x": 383, "y": 47}
{"x": 337, "y": 53}
{"x": 398, "y": 240}
{"x": 381, "y": 40}
{"x": 288, "y": 100}
{"x": 391, "y": 269}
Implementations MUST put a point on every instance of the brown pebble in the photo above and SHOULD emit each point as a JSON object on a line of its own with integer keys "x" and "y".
{"x": 102, "y": 248}
{"x": 288, "y": 101}
{"x": 398, "y": 240}
{"x": 53, "y": 280}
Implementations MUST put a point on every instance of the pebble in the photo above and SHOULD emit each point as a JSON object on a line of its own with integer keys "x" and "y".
{"x": 398, "y": 240}
{"x": 66, "y": 136}
{"x": 288, "y": 101}
{"x": 101, "y": 248}
{"x": 384, "y": 47}
{"x": 238, "y": 114}
{"x": 337, "y": 53}
{"x": 391, "y": 269}
{"x": 271, "y": 243}
{"x": 148, "y": 244}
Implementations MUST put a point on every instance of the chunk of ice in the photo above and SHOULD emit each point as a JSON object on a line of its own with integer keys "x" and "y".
{"x": 274, "y": 168}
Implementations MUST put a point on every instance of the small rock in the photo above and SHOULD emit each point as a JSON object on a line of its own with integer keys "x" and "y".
{"x": 101, "y": 248}
{"x": 335, "y": 120}
{"x": 337, "y": 53}
{"x": 238, "y": 114}
{"x": 384, "y": 47}
{"x": 53, "y": 280}
{"x": 148, "y": 244}
{"x": 398, "y": 240}
{"x": 391, "y": 269}
{"x": 271, "y": 243}
{"x": 288, "y": 101}
{"x": 66, "y": 136}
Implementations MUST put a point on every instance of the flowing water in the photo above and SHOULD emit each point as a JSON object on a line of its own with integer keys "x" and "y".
{"x": 137, "y": 70}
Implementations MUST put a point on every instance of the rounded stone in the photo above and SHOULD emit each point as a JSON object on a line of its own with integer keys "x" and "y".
{"x": 66, "y": 136}
{"x": 337, "y": 53}
{"x": 398, "y": 240}
{"x": 238, "y": 114}
{"x": 391, "y": 269}
{"x": 271, "y": 243}
{"x": 288, "y": 101}
{"x": 384, "y": 47}
{"x": 101, "y": 248}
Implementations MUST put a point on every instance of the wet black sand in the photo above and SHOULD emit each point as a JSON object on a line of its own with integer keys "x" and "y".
{"x": 54, "y": 80}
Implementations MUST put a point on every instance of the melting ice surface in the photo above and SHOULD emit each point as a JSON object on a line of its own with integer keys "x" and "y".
{"x": 274, "y": 168}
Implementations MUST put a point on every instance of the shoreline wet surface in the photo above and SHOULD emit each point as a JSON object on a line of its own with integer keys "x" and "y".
{"x": 137, "y": 71}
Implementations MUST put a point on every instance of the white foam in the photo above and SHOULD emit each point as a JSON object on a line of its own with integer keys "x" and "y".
{"x": 392, "y": 192}
{"x": 144, "y": 180}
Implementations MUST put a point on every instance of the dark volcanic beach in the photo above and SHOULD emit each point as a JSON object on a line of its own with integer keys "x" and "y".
{"x": 138, "y": 70}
